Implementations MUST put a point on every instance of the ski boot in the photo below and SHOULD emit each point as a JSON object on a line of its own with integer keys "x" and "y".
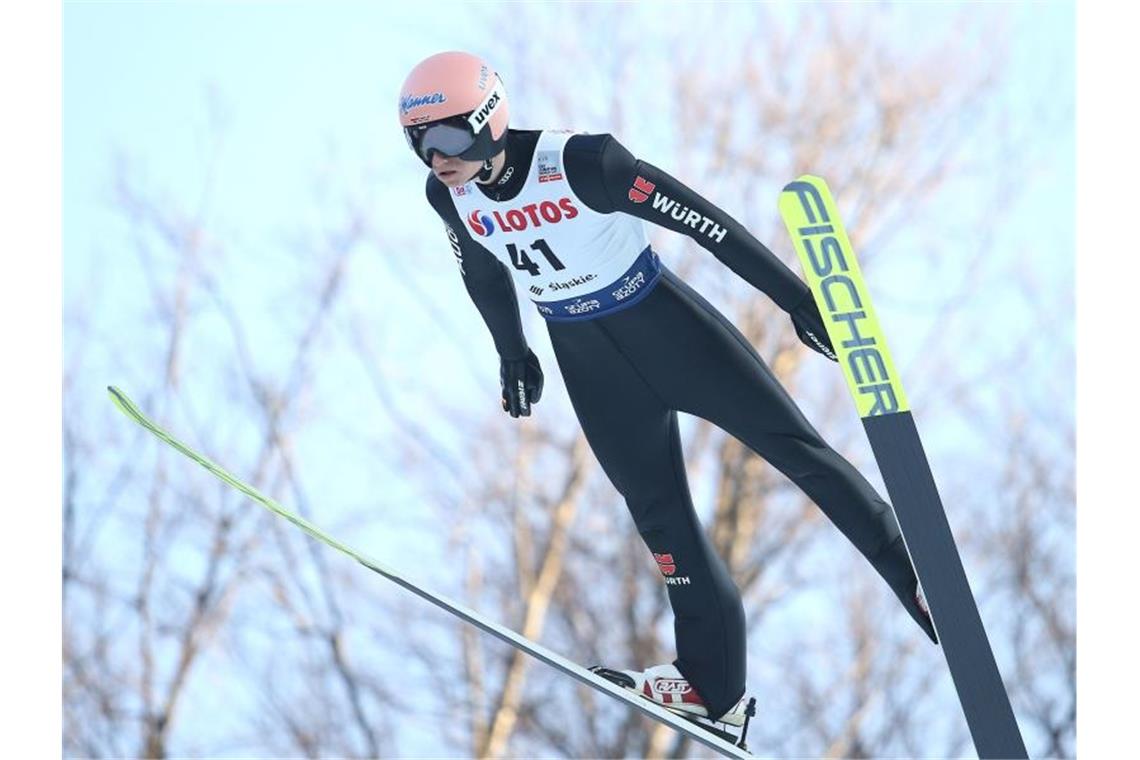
{"x": 893, "y": 564}
{"x": 914, "y": 601}
{"x": 665, "y": 686}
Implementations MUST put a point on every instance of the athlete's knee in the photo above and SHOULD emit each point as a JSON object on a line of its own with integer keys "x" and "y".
{"x": 797, "y": 456}
{"x": 654, "y": 510}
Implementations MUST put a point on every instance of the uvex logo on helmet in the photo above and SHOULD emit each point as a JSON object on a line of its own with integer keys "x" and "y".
{"x": 487, "y": 107}
{"x": 483, "y": 113}
{"x": 518, "y": 219}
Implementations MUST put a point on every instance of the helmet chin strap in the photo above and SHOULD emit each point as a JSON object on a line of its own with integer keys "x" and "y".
{"x": 484, "y": 174}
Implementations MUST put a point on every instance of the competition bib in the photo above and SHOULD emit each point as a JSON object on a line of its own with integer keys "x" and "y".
{"x": 571, "y": 261}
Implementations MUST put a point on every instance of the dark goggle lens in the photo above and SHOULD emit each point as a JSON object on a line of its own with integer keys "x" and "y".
{"x": 448, "y": 139}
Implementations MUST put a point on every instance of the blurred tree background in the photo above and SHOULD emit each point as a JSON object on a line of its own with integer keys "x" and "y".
{"x": 329, "y": 354}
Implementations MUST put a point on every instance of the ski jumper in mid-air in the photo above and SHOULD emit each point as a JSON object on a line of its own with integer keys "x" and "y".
{"x": 560, "y": 217}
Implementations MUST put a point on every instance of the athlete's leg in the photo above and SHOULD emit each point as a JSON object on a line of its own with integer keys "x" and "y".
{"x": 710, "y": 370}
{"x": 634, "y": 436}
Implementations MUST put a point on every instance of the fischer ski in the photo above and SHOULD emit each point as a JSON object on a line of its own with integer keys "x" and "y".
{"x": 705, "y": 734}
{"x": 833, "y": 273}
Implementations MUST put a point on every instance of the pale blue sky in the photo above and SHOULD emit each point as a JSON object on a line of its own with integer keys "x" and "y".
{"x": 309, "y": 89}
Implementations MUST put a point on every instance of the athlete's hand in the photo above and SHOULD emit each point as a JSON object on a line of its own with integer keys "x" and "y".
{"x": 809, "y": 327}
{"x": 521, "y": 381}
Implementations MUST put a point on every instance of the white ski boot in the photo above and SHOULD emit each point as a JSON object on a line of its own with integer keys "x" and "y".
{"x": 665, "y": 685}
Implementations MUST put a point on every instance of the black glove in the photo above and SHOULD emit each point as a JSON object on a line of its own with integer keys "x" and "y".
{"x": 521, "y": 381}
{"x": 809, "y": 327}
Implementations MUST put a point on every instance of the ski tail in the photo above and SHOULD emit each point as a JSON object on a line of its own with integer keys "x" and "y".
{"x": 832, "y": 272}
{"x": 534, "y": 649}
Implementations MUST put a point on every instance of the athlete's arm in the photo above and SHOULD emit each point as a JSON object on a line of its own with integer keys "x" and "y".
{"x": 487, "y": 281}
{"x": 608, "y": 178}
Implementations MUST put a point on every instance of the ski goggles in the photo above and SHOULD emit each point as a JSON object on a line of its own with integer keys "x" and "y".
{"x": 463, "y": 136}
{"x": 451, "y": 137}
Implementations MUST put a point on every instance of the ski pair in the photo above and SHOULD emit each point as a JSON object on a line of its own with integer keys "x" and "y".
{"x": 710, "y": 736}
{"x": 833, "y": 273}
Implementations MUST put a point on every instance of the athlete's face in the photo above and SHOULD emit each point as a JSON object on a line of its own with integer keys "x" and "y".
{"x": 453, "y": 171}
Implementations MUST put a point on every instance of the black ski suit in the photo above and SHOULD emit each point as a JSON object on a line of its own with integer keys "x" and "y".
{"x": 629, "y": 372}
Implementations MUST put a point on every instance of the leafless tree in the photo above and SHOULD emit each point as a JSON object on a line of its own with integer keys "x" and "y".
{"x": 820, "y": 93}
{"x": 180, "y": 597}
{"x": 156, "y": 558}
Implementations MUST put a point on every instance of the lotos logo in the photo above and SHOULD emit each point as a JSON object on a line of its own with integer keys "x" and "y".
{"x": 408, "y": 102}
{"x": 518, "y": 219}
{"x": 480, "y": 223}
{"x": 641, "y": 189}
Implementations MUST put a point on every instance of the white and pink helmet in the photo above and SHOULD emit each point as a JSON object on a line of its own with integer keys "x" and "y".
{"x": 454, "y": 103}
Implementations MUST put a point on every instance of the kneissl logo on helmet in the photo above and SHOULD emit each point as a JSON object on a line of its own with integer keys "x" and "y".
{"x": 408, "y": 102}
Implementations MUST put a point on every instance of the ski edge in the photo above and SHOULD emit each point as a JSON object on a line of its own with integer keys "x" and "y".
{"x": 810, "y": 213}
{"x": 468, "y": 615}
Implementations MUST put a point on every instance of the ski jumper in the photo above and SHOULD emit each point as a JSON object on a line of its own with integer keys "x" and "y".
{"x": 565, "y": 226}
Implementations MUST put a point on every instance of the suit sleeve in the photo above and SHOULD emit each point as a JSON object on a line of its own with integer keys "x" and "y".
{"x": 487, "y": 281}
{"x": 608, "y": 178}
